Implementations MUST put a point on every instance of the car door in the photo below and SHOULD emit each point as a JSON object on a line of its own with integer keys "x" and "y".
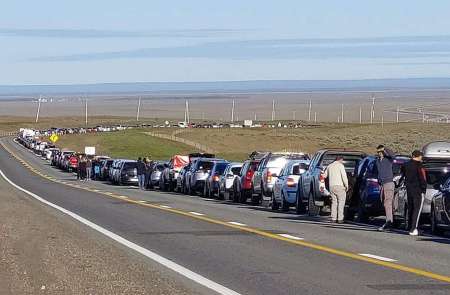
{"x": 256, "y": 180}
{"x": 306, "y": 178}
{"x": 278, "y": 186}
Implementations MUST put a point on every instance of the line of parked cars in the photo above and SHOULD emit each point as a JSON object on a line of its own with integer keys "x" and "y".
{"x": 281, "y": 180}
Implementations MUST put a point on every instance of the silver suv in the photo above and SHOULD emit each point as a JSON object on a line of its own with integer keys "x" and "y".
{"x": 267, "y": 173}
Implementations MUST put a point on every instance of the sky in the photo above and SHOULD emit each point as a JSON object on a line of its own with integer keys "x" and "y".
{"x": 75, "y": 42}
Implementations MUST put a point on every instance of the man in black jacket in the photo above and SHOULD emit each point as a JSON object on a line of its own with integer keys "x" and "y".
{"x": 416, "y": 186}
{"x": 141, "y": 173}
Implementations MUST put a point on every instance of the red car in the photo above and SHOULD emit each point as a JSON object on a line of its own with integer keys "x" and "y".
{"x": 242, "y": 186}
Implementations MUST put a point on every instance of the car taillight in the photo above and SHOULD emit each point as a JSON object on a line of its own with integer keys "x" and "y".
{"x": 248, "y": 175}
{"x": 269, "y": 176}
{"x": 215, "y": 178}
{"x": 290, "y": 182}
{"x": 322, "y": 178}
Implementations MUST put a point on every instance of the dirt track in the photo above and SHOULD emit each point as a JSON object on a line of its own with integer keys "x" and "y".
{"x": 44, "y": 252}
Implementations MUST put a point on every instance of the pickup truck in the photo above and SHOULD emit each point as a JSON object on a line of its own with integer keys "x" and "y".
{"x": 313, "y": 192}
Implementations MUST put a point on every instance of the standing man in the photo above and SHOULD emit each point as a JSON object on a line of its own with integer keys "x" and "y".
{"x": 386, "y": 181}
{"x": 338, "y": 183}
{"x": 88, "y": 169}
{"x": 141, "y": 173}
{"x": 79, "y": 172}
{"x": 416, "y": 186}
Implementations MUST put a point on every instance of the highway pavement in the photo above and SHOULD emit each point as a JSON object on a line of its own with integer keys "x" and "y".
{"x": 247, "y": 249}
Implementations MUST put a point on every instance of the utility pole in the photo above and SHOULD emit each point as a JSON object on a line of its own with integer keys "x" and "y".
{"x": 255, "y": 116}
{"x": 423, "y": 117}
{"x": 293, "y": 115}
{"x": 138, "y": 109}
{"x": 273, "y": 110}
{"x": 86, "y": 111}
{"x": 342, "y": 113}
{"x": 186, "y": 118}
{"x": 232, "y": 111}
{"x": 382, "y": 120}
{"x": 360, "y": 115}
{"x": 315, "y": 117}
{"x": 398, "y": 111}
{"x": 309, "y": 111}
{"x": 38, "y": 108}
{"x": 372, "y": 113}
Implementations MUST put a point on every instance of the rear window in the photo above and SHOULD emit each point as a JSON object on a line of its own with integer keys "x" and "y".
{"x": 160, "y": 167}
{"x": 220, "y": 168}
{"x": 437, "y": 173}
{"x": 130, "y": 165}
{"x": 350, "y": 161}
{"x": 236, "y": 170}
{"x": 277, "y": 162}
{"x": 205, "y": 165}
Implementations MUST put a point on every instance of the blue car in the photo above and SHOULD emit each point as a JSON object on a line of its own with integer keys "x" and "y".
{"x": 366, "y": 201}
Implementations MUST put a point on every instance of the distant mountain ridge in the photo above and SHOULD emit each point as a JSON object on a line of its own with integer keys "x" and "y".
{"x": 229, "y": 86}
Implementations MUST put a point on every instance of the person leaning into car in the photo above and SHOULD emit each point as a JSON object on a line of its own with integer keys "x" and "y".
{"x": 386, "y": 181}
{"x": 416, "y": 186}
{"x": 338, "y": 183}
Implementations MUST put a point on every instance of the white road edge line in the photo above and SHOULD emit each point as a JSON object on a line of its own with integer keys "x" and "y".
{"x": 290, "y": 237}
{"x": 196, "y": 213}
{"x": 378, "y": 257}
{"x": 153, "y": 256}
{"x": 164, "y": 206}
{"x": 236, "y": 223}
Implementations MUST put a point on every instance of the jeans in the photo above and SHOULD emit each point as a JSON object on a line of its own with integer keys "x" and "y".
{"x": 88, "y": 173}
{"x": 338, "y": 197}
{"x": 141, "y": 181}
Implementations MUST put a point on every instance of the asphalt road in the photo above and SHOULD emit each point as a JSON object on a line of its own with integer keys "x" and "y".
{"x": 255, "y": 257}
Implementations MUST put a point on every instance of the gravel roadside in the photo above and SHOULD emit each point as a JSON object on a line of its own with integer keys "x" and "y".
{"x": 45, "y": 252}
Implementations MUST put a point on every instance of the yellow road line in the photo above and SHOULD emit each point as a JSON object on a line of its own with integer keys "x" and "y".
{"x": 326, "y": 249}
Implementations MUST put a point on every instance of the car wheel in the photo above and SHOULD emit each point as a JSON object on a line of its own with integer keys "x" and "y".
{"x": 243, "y": 197}
{"x": 300, "y": 207}
{"x": 313, "y": 210}
{"x": 435, "y": 230}
{"x": 236, "y": 195}
{"x": 362, "y": 214}
{"x": 206, "y": 191}
{"x": 274, "y": 204}
{"x": 284, "y": 204}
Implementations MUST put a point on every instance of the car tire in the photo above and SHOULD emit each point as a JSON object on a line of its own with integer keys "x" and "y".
{"x": 284, "y": 204}
{"x": 300, "y": 207}
{"x": 206, "y": 192}
{"x": 243, "y": 197}
{"x": 313, "y": 210}
{"x": 274, "y": 204}
{"x": 362, "y": 214}
{"x": 236, "y": 196}
{"x": 435, "y": 230}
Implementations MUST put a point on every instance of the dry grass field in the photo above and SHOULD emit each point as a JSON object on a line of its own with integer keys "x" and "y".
{"x": 236, "y": 144}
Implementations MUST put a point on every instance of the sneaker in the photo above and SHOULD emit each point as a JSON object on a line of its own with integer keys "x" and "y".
{"x": 415, "y": 232}
{"x": 386, "y": 226}
{"x": 333, "y": 221}
{"x": 340, "y": 221}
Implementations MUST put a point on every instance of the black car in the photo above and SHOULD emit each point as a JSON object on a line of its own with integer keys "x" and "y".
{"x": 127, "y": 173}
{"x": 366, "y": 199}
